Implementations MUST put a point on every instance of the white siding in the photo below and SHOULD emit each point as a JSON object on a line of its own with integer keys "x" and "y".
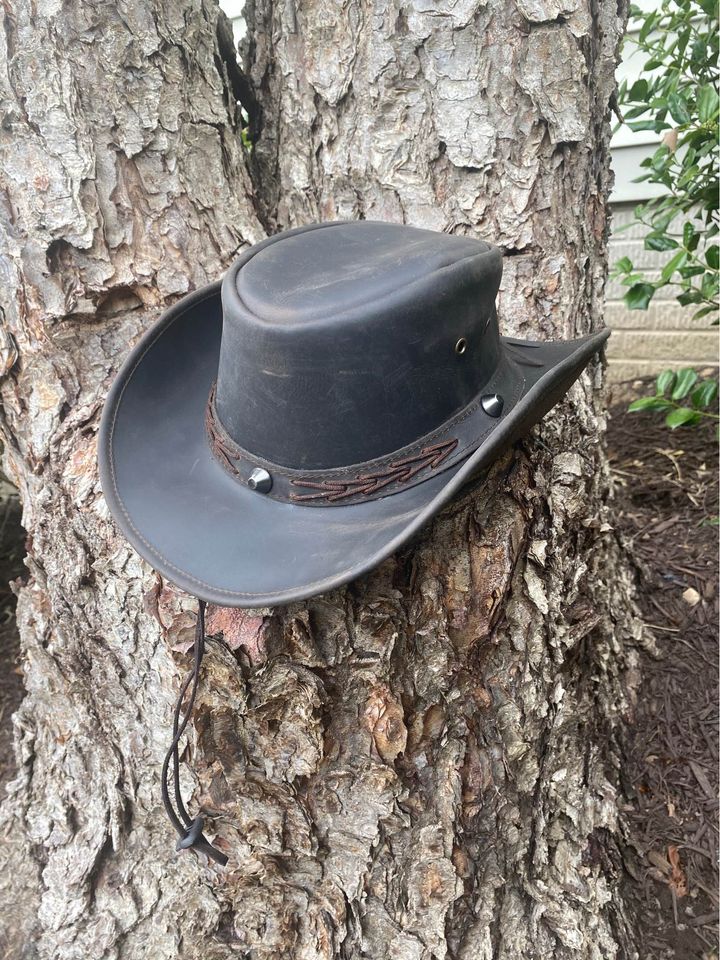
{"x": 628, "y": 147}
{"x": 233, "y": 9}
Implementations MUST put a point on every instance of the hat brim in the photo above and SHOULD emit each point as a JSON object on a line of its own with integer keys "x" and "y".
{"x": 229, "y": 545}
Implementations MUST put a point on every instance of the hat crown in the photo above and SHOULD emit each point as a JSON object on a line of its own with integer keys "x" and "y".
{"x": 344, "y": 342}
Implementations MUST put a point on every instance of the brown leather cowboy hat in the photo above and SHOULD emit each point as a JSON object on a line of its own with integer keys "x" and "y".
{"x": 278, "y": 434}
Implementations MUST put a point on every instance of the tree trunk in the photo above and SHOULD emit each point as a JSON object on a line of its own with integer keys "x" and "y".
{"x": 425, "y": 764}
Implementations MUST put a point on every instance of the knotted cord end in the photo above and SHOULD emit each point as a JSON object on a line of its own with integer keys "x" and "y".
{"x": 194, "y": 839}
{"x": 190, "y": 831}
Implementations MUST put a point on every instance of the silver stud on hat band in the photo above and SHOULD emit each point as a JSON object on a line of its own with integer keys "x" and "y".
{"x": 260, "y": 480}
{"x": 492, "y": 404}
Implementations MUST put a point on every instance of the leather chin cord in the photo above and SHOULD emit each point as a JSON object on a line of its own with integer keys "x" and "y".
{"x": 189, "y": 830}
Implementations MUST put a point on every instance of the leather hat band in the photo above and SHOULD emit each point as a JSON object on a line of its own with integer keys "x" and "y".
{"x": 447, "y": 446}
{"x": 354, "y": 485}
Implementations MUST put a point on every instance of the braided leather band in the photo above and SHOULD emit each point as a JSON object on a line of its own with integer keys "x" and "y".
{"x": 222, "y": 446}
{"x": 367, "y": 484}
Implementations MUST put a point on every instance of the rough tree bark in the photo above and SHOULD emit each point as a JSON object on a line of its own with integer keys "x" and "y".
{"x": 424, "y": 765}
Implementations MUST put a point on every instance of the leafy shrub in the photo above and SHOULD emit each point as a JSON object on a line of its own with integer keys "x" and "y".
{"x": 683, "y": 397}
{"x": 678, "y": 98}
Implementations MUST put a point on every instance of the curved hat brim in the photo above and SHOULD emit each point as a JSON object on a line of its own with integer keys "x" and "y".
{"x": 229, "y": 545}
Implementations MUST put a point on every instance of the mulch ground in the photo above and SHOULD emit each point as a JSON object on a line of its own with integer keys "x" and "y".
{"x": 667, "y": 486}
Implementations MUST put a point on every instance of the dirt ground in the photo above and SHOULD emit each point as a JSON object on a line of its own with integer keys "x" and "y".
{"x": 667, "y": 488}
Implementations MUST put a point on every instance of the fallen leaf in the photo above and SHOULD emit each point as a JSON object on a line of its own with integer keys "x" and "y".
{"x": 678, "y": 879}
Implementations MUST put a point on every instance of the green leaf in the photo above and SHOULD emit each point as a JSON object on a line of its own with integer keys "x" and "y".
{"x": 661, "y": 220}
{"x": 694, "y": 239}
{"x": 706, "y": 142}
{"x": 698, "y": 140}
{"x": 689, "y": 159}
{"x": 705, "y": 394}
{"x": 660, "y": 241}
{"x": 639, "y": 296}
{"x": 708, "y": 103}
{"x": 678, "y": 109}
{"x": 682, "y": 417}
{"x": 624, "y": 265}
{"x": 709, "y": 286}
{"x": 639, "y": 90}
{"x": 635, "y": 111}
{"x": 671, "y": 266}
{"x": 699, "y": 314}
{"x": 691, "y": 271}
{"x": 688, "y": 175}
{"x": 649, "y": 403}
{"x": 642, "y": 125}
{"x": 685, "y": 381}
{"x": 712, "y": 256}
{"x": 699, "y": 50}
{"x": 649, "y": 22}
{"x": 665, "y": 382}
{"x": 689, "y": 296}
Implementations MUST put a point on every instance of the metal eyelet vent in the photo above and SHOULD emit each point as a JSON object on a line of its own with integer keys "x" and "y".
{"x": 461, "y": 346}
